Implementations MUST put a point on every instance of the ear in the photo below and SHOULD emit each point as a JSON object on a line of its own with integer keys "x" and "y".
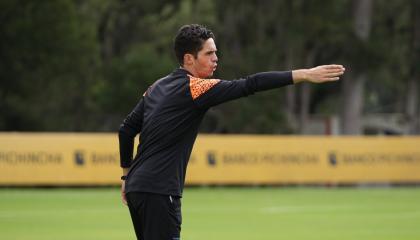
{"x": 188, "y": 59}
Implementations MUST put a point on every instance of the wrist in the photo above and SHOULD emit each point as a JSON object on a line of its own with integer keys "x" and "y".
{"x": 300, "y": 75}
{"x": 123, "y": 177}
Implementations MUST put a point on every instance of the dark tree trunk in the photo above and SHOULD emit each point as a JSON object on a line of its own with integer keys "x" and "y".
{"x": 412, "y": 107}
{"x": 353, "y": 83}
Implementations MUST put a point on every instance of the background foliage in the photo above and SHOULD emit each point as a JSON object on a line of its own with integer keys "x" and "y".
{"x": 71, "y": 65}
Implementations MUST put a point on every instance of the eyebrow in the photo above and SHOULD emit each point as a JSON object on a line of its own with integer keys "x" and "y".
{"x": 211, "y": 51}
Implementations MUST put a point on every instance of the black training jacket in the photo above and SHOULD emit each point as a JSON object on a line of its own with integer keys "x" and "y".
{"x": 167, "y": 118}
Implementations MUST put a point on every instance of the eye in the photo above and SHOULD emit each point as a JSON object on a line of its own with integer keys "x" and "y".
{"x": 210, "y": 53}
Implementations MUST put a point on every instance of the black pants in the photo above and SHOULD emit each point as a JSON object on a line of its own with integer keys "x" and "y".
{"x": 155, "y": 216}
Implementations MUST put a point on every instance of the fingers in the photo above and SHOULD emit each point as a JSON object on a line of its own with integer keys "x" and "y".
{"x": 325, "y": 73}
{"x": 331, "y": 79}
{"x": 334, "y": 66}
{"x": 333, "y": 74}
{"x": 124, "y": 199}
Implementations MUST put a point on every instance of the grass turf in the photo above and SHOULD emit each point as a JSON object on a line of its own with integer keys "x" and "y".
{"x": 219, "y": 213}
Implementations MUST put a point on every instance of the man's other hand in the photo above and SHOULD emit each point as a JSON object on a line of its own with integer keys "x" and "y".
{"x": 123, "y": 198}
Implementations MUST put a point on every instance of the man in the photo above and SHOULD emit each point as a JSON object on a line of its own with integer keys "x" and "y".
{"x": 167, "y": 118}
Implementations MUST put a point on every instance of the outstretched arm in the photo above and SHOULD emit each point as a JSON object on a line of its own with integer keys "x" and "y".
{"x": 319, "y": 74}
{"x": 214, "y": 91}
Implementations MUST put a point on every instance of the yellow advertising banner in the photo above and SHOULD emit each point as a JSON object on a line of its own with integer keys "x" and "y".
{"x": 59, "y": 159}
{"x": 92, "y": 159}
{"x": 293, "y": 160}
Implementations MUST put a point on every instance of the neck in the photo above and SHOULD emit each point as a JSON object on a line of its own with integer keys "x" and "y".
{"x": 190, "y": 70}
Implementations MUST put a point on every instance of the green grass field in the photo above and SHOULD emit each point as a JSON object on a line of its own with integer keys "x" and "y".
{"x": 219, "y": 214}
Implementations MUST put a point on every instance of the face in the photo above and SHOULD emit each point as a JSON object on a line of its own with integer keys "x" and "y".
{"x": 206, "y": 62}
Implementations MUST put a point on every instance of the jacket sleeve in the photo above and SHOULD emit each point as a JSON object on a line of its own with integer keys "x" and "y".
{"x": 131, "y": 126}
{"x": 213, "y": 91}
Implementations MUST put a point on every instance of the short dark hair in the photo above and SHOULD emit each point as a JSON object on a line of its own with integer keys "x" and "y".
{"x": 190, "y": 39}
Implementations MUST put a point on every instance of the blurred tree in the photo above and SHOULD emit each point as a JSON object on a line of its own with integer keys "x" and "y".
{"x": 354, "y": 81}
{"x": 249, "y": 40}
{"x": 276, "y": 35}
{"x": 47, "y": 62}
{"x": 315, "y": 30}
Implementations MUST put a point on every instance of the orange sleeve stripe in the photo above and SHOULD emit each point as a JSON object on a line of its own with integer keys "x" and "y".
{"x": 199, "y": 86}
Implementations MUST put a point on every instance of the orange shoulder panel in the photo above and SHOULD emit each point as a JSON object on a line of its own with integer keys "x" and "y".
{"x": 199, "y": 86}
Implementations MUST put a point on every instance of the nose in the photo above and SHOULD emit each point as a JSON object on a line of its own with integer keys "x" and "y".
{"x": 215, "y": 58}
